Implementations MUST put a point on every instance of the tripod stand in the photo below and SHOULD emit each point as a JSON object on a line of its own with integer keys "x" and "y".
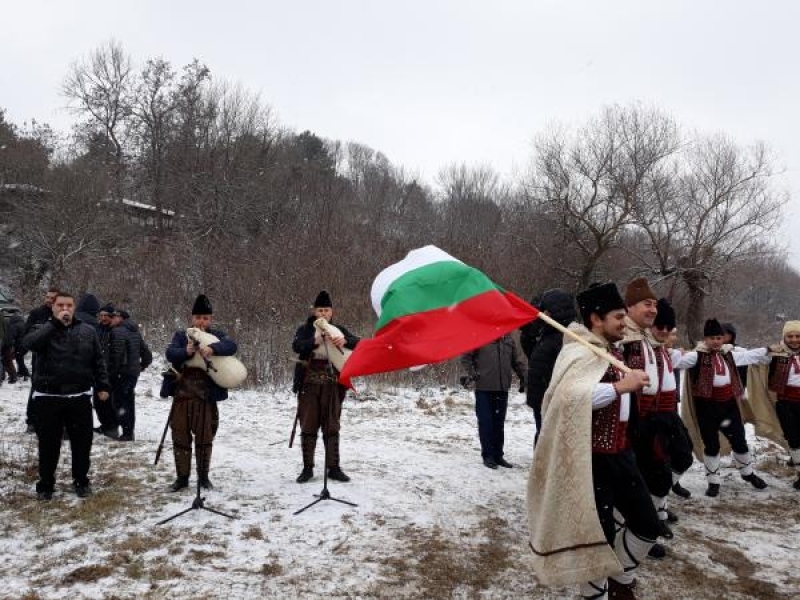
{"x": 325, "y": 426}
{"x": 199, "y": 501}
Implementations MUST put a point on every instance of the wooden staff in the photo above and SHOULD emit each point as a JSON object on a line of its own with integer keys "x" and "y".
{"x": 598, "y": 351}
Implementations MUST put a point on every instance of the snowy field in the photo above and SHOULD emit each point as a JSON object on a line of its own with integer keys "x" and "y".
{"x": 431, "y": 520}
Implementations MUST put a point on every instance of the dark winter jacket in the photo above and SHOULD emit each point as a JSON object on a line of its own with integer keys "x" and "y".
{"x": 87, "y": 308}
{"x": 491, "y": 366}
{"x": 15, "y": 330}
{"x": 67, "y": 359}
{"x": 561, "y": 307}
{"x": 177, "y": 355}
{"x": 38, "y": 316}
{"x": 128, "y": 353}
{"x": 104, "y": 332}
{"x": 304, "y": 345}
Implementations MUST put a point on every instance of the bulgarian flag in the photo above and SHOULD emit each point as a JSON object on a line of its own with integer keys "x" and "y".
{"x": 432, "y": 307}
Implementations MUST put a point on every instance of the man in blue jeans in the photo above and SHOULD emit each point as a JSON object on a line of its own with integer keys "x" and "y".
{"x": 491, "y": 368}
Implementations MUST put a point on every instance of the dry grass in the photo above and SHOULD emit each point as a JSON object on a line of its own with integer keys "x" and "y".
{"x": 253, "y": 533}
{"x": 87, "y": 574}
{"x": 437, "y": 565}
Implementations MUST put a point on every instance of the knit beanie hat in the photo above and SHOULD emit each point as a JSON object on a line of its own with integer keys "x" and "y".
{"x": 791, "y": 327}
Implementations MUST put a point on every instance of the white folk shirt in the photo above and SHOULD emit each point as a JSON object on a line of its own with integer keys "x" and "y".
{"x": 741, "y": 356}
{"x": 605, "y": 393}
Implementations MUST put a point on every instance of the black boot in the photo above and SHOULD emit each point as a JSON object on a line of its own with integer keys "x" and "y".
{"x": 664, "y": 531}
{"x": 180, "y": 483}
{"x": 755, "y": 481}
{"x": 657, "y": 551}
{"x": 671, "y": 516}
{"x": 305, "y": 475}
{"x": 713, "y": 490}
{"x": 205, "y": 483}
{"x": 681, "y": 491}
{"x": 337, "y": 474}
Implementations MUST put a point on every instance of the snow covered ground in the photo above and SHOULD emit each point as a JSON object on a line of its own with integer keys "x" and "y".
{"x": 431, "y": 520}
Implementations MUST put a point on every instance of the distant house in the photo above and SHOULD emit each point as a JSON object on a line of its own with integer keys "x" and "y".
{"x": 147, "y": 214}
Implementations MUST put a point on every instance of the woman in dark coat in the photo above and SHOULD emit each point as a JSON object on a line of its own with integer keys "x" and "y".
{"x": 560, "y": 306}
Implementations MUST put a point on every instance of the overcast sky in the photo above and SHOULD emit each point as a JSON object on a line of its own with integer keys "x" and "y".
{"x": 431, "y": 83}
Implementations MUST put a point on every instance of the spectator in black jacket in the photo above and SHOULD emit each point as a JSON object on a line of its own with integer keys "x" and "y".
{"x": 106, "y": 413}
{"x": 68, "y": 366}
{"x": 6, "y": 351}
{"x": 129, "y": 356}
{"x": 560, "y": 306}
{"x": 16, "y": 331}
{"x": 36, "y": 318}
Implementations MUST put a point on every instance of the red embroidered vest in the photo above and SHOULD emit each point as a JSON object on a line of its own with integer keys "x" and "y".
{"x": 779, "y": 370}
{"x": 609, "y": 434}
{"x": 702, "y": 377}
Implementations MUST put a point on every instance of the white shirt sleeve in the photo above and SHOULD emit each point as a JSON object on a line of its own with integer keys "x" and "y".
{"x": 603, "y": 395}
{"x": 684, "y": 361}
{"x": 756, "y": 356}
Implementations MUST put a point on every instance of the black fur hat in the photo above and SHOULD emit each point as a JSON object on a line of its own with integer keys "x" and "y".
{"x": 666, "y": 315}
{"x": 107, "y": 308}
{"x": 202, "y": 306}
{"x": 712, "y": 328}
{"x": 600, "y": 299}
{"x": 323, "y": 300}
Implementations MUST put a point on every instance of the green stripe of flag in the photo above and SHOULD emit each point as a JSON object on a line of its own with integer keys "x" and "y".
{"x": 433, "y": 286}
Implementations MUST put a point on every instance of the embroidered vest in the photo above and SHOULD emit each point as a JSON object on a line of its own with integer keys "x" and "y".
{"x": 779, "y": 370}
{"x": 609, "y": 434}
{"x": 702, "y": 376}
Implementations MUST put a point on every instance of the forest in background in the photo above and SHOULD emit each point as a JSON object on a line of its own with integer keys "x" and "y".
{"x": 174, "y": 182}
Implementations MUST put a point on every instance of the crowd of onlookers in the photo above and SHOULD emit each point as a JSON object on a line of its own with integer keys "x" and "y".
{"x": 124, "y": 351}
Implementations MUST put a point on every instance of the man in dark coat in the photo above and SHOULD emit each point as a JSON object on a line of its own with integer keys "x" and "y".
{"x": 68, "y": 366}
{"x": 129, "y": 356}
{"x": 195, "y": 397}
{"x": 36, "y": 318}
{"x": 106, "y": 411}
{"x": 560, "y": 306}
{"x": 16, "y": 331}
{"x": 6, "y": 351}
{"x": 490, "y": 368}
{"x": 320, "y": 396}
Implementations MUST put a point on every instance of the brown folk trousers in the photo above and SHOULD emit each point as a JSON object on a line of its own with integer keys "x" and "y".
{"x": 320, "y": 407}
{"x": 193, "y": 415}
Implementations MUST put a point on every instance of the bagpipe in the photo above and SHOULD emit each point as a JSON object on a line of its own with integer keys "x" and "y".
{"x": 336, "y": 356}
{"x": 225, "y": 371}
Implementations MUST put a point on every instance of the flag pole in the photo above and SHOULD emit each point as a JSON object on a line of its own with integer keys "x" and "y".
{"x": 598, "y": 351}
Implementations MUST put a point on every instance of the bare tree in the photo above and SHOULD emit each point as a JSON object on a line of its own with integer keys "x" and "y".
{"x": 714, "y": 210}
{"x": 98, "y": 89}
{"x": 590, "y": 184}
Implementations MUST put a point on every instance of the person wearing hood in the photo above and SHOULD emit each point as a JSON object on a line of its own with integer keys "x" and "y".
{"x": 129, "y": 356}
{"x": 712, "y": 403}
{"x": 560, "y": 306}
{"x": 319, "y": 394}
{"x": 584, "y": 470}
{"x": 87, "y": 308}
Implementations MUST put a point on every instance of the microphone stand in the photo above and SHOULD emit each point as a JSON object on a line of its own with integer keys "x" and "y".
{"x": 199, "y": 501}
